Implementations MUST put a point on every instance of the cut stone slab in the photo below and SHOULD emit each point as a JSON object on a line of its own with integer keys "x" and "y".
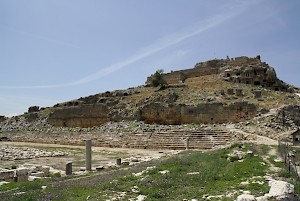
{"x": 245, "y": 197}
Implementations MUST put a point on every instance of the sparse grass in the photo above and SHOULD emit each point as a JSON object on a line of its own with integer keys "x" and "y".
{"x": 214, "y": 175}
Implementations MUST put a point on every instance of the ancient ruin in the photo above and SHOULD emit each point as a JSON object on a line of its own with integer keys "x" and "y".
{"x": 242, "y": 70}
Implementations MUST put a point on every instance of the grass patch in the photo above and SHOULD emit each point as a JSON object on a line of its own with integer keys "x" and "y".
{"x": 189, "y": 175}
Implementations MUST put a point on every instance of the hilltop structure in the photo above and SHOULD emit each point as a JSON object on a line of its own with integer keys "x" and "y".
{"x": 242, "y": 70}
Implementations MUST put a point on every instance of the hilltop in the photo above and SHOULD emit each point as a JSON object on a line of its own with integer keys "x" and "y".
{"x": 213, "y": 94}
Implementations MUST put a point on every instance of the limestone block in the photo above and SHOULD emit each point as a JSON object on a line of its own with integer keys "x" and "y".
{"x": 46, "y": 170}
{"x": 33, "y": 178}
{"x": 37, "y": 174}
{"x": 69, "y": 168}
{"x": 245, "y": 197}
{"x": 21, "y": 178}
{"x": 280, "y": 188}
{"x": 21, "y": 172}
{"x": 21, "y": 175}
{"x": 7, "y": 175}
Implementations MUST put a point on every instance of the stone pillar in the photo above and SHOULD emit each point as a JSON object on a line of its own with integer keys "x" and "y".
{"x": 46, "y": 170}
{"x": 88, "y": 155}
{"x": 187, "y": 145}
{"x": 69, "y": 168}
{"x": 21, "y": 175}
{"x": 119, "y": 161}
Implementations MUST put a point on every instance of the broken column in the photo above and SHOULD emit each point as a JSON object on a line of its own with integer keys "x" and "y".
{"x": 69, "y": 168}
{"x": 21, "y": 174}
{"x": 88, "y": 155}
{"x": 119, "y": 161}
{"x": 46, "y": 171}
{"x": 187, "y": 145}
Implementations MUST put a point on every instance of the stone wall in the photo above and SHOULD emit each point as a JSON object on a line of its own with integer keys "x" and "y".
{"x": 244, "y": 70}
{"x": 80, "y": 116}
{"x": 177, "y": 77}
{"x": 203, "y": 113}
{"x": 205, "y": 68}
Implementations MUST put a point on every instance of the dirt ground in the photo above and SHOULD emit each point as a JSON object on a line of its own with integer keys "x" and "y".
{"x": 101, "y": 156}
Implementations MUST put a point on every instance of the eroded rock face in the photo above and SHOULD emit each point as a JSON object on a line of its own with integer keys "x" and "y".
{"x": 80, "y": 116}
{"x": 290, "y": 113}
{"x": 203, "y": 113}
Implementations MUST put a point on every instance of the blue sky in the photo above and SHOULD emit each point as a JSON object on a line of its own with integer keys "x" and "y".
{"x": 57, "y": 50}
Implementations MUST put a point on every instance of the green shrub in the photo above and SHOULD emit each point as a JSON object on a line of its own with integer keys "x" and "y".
{"x": 158, "y": 79}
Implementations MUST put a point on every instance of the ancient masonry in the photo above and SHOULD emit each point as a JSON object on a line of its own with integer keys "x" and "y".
{"x": 242, "y": 70}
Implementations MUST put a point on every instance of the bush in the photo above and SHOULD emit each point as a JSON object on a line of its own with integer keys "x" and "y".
{"x": 14, "y": 167}
{"x": 158, "y": 79}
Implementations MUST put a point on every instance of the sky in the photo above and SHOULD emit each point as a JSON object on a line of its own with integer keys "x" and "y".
{"x": 53, "y": 51}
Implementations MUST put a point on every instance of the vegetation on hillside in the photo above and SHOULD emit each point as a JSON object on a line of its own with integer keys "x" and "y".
{"x": 158, "y": 79}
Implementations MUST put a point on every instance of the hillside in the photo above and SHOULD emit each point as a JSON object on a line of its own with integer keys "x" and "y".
{"x": 214, "y": 94}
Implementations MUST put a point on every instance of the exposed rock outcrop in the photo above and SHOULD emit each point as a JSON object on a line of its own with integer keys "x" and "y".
{"x": 80, "y": 116}
{"x": 208, "y": 113}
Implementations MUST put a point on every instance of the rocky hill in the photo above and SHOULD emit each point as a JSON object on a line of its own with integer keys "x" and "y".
{"x": 213, "y": 93}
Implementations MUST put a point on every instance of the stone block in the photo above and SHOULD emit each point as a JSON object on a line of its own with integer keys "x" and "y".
{"x": 37, "y": 174}
{"x": 21, "y": 172}
{"x": 46, "y": 170}
{"x": 21, "y": 178}
{"x": 119, "y": 161}
{"x": 21, "y": 175}
{"x": 99, "y": 168}
{"x": 69, "y": 168}
{"x": 33, "y": 178}
{"x": 7, "y": 175}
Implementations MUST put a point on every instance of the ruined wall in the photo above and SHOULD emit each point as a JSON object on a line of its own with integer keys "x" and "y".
{"x": 205, "y": 68}
{"x": 243, "y": 70}
{"x": 80, "y": 116}
{"x": 203, "y": 113}
{"x": 177, "y": 77}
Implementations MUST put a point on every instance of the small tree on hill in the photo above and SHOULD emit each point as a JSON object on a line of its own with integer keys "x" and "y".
{"x": 158, "y": 79}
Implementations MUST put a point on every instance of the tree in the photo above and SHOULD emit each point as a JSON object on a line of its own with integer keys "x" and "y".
{"x": 158, "y": 79}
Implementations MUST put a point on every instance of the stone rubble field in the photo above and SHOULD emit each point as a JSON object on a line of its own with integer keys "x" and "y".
{"x": 20, "y": 153}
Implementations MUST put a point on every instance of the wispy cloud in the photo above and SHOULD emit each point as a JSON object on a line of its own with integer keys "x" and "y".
{"x": 41, "y": 37}
{"x": 161, "y": 44}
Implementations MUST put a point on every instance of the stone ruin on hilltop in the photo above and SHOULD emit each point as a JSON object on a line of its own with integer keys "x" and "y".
{"x": 243, "y": 70}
